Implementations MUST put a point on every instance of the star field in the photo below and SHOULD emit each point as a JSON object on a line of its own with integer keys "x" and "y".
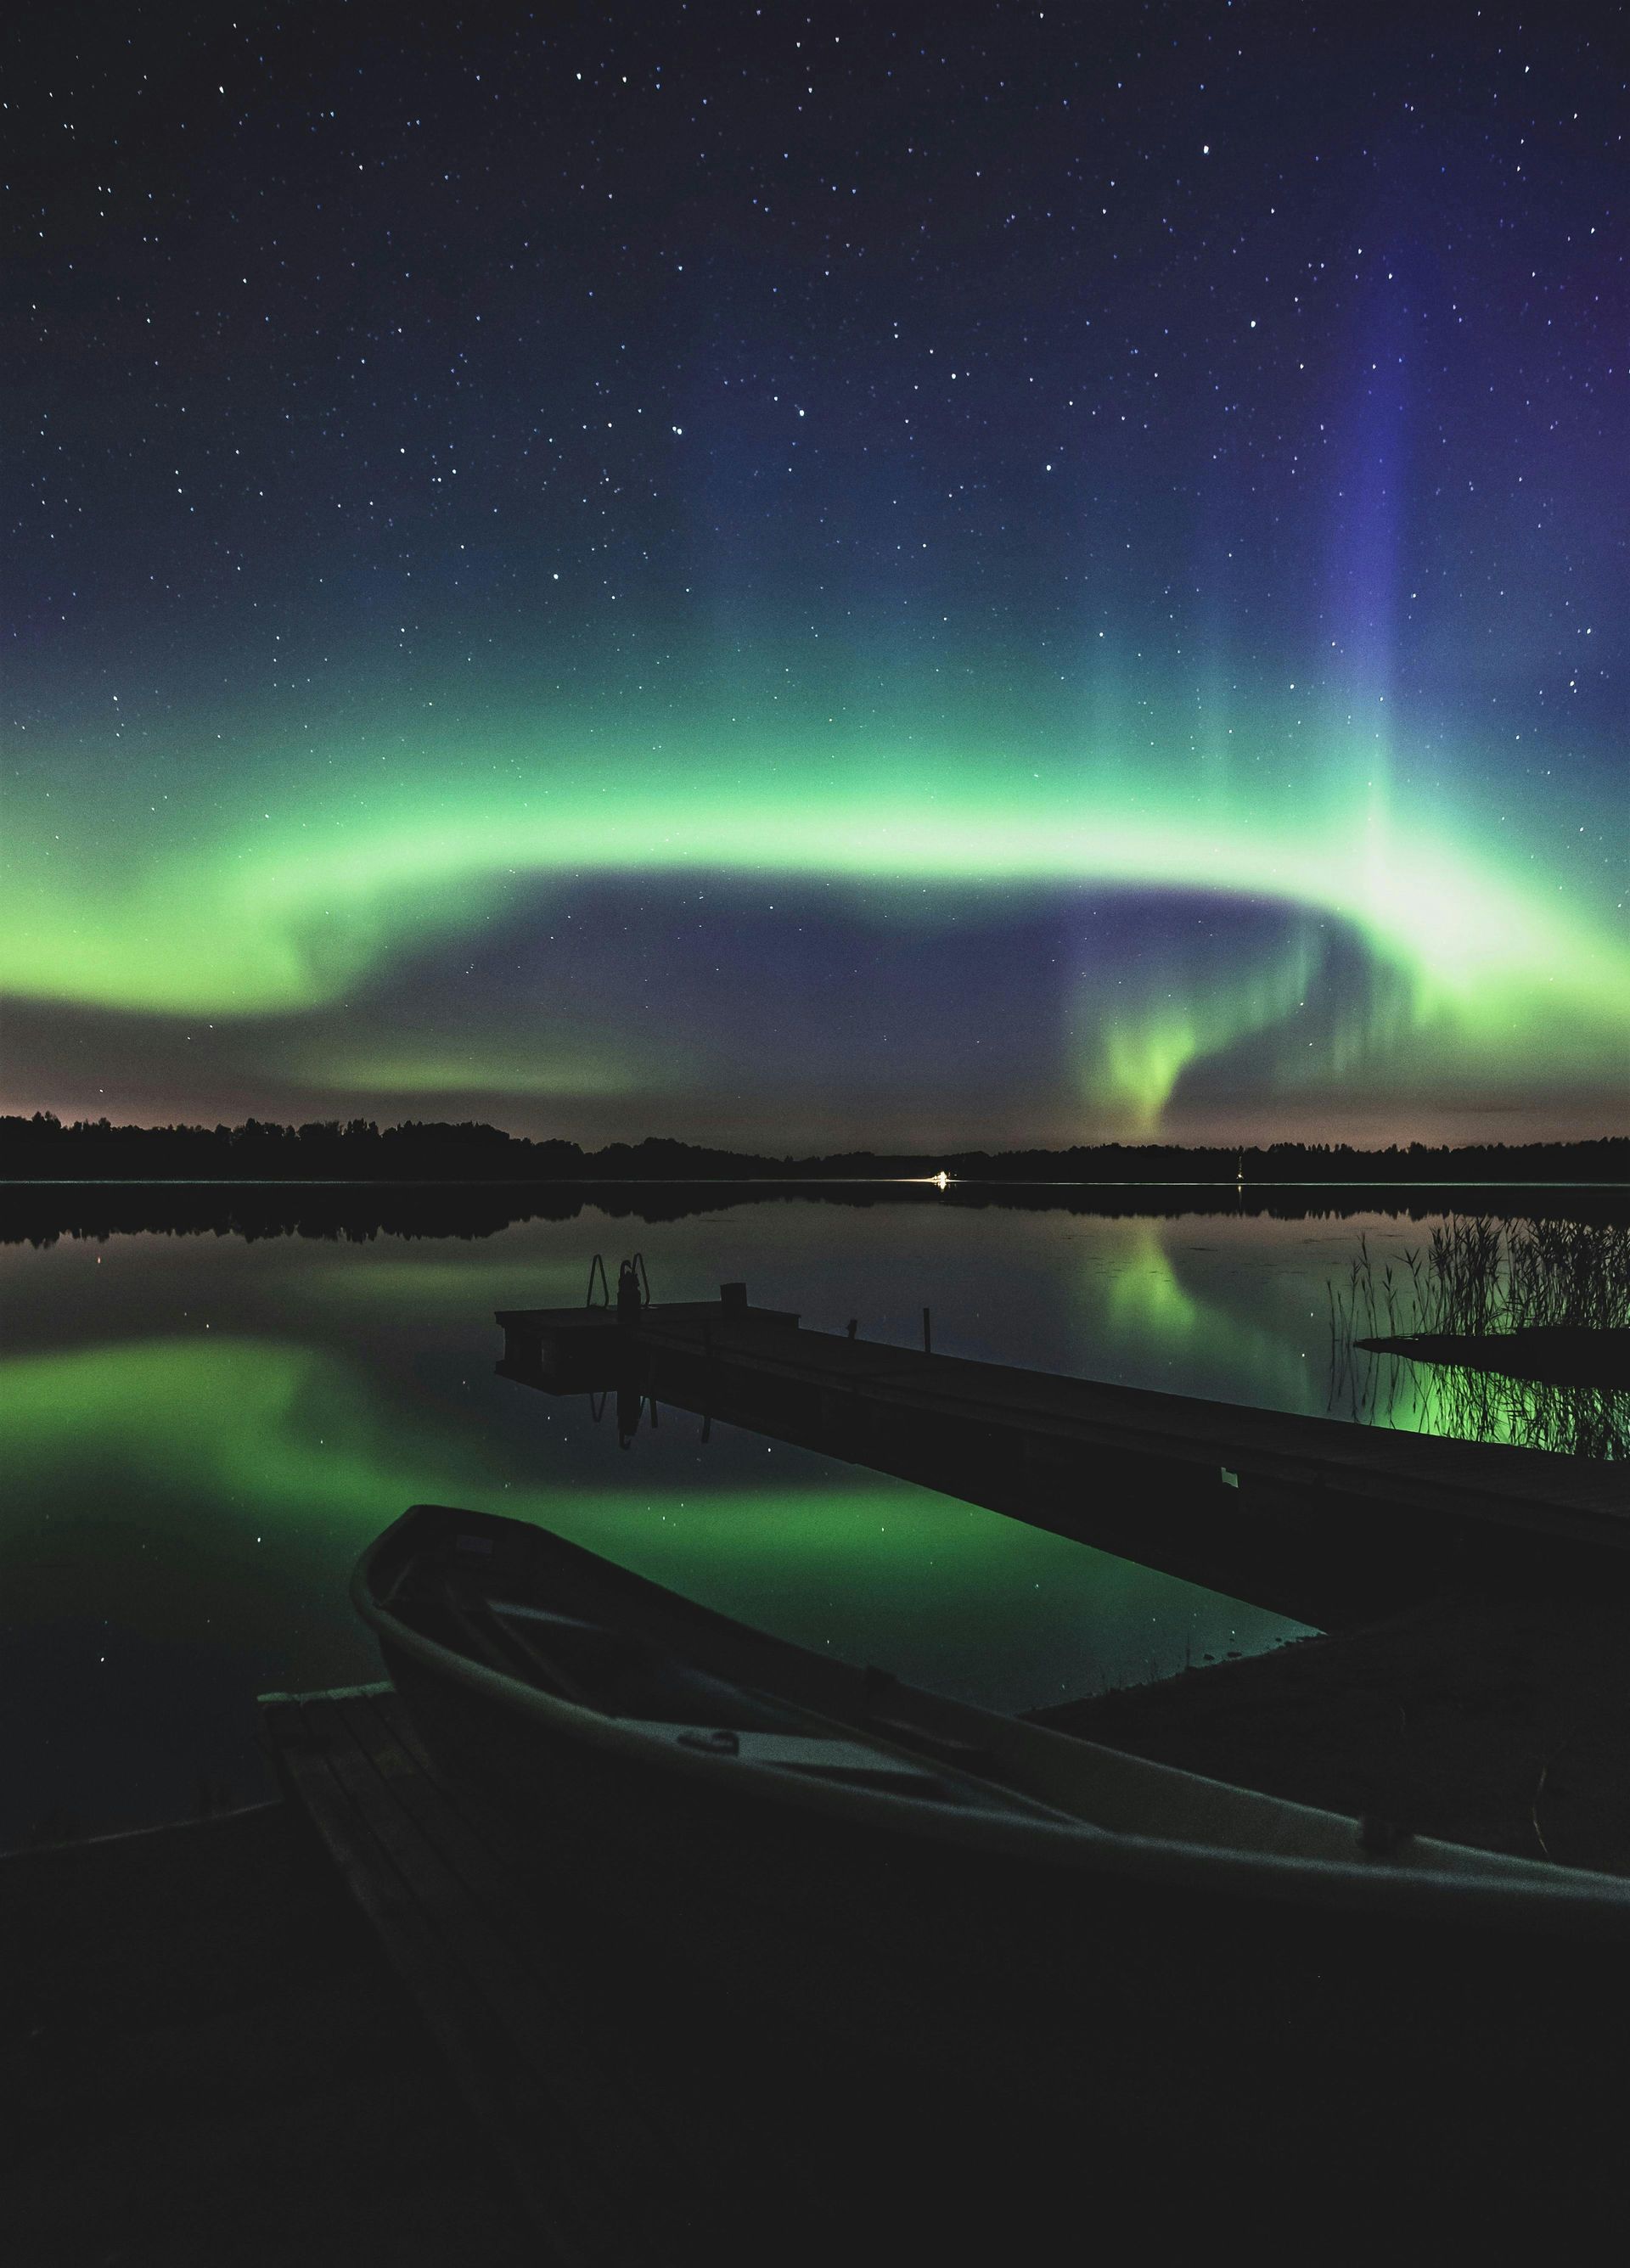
{"x": 884, "y": 574}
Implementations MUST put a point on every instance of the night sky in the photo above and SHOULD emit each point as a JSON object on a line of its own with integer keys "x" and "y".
{"x": 921, "y": 575}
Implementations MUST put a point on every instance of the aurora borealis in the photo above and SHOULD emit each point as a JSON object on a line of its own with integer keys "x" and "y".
{"x": 893, "y": 575}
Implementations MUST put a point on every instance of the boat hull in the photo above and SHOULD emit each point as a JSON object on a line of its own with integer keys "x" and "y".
{"x": 924, "y": 1946}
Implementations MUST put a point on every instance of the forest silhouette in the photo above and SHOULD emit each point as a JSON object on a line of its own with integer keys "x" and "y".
{"x": 43, "y": 1148}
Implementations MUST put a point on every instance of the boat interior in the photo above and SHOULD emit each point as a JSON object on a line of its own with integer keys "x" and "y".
{"x": 659, "y": 1690}
{"x": 550, "y": 1614}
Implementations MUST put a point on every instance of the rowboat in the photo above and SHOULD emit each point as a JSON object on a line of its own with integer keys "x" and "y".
{"x": 893, "y": 1862}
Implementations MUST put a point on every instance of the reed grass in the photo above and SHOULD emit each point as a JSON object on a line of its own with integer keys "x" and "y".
{"x": 1465, "y": 1404}
{"x": 1483, "y": 1278}
{"x": 1480, "y": 1278}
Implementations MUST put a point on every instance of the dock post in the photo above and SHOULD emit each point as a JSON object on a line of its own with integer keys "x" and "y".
{"x": 928, "y": 1334}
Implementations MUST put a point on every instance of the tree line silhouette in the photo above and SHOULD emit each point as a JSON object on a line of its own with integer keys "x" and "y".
{"x": 43, "y": 1149}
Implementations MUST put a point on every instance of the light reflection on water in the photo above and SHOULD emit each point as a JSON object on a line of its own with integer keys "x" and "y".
{"x": 202, "y": 1433}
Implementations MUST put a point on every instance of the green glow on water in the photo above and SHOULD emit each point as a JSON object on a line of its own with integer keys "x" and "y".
{"x": 255, "y": 1429}
{"x": 1146, "y": 1305}
{"x": 260, "y": 1456}
{"x": 406, "y": 1285}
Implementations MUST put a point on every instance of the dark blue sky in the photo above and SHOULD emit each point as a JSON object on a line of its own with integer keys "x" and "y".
{"x": 905, "y": 575}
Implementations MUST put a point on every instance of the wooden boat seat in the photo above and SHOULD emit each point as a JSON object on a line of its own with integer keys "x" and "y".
{"x": 820, "y": 1756}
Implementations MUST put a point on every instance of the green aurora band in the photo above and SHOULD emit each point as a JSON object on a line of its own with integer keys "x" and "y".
{"x": 238, "y": 904}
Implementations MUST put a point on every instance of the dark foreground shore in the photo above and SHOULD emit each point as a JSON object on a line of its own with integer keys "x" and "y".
{"x": 202, "y": 2059}
{"x": 205, "y": 2062}
{"x": 207, "y": 2059}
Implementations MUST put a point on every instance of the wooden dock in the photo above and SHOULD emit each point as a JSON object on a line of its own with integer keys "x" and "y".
{"x": 1314, "y": 1517}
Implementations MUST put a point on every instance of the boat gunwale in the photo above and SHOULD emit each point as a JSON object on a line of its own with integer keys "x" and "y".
{"x": 1434, "y": 1882}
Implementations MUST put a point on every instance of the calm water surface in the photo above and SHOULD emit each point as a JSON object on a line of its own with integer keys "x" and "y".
{"x": 201, "y": 1434}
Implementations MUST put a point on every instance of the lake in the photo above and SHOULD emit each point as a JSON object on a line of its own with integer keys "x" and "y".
{"x": 201, "y": 1431}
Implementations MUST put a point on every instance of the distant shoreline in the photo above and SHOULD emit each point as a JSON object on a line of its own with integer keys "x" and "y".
{"x": 431, "y": 1167}
{"x": 792, "y": 1180}
{"x": 360, "y": 1153}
